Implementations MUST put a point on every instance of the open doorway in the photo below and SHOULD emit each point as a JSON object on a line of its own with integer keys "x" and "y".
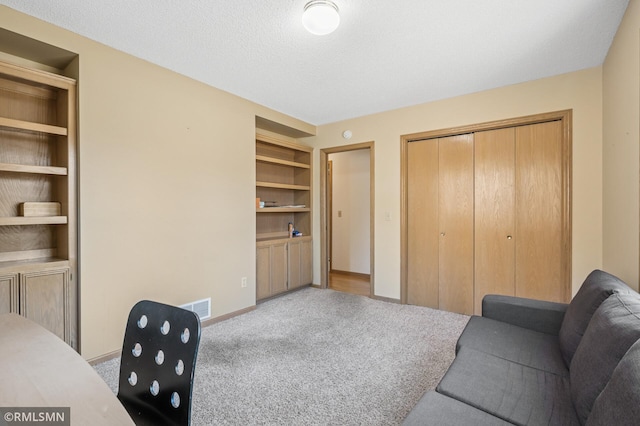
{"x": 347, "y": 231}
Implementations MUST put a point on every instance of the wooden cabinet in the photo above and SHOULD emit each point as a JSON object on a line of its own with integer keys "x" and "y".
{"x": 300, "y": 269}
{"x": 271, "y": 270}
{"x": 42, "y": 295}
{"x": 37, "y": 165}
{"x": 283, "y": 185}
{"x": 487, "y": 214}
{"x": 283, "y": 265}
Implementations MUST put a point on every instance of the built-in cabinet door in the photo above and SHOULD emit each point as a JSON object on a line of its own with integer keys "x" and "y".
{"x": 44, "y": 299}
{"x": 271, "y": 269}
{"x": 263, "y": 272}
{"x": 294, "y": 264}
{"x": 278, "y": 267}
{"x": 306, "y": 262}
{"x": 455, "y": 266}
{"x": 539, "y": 211}
{"x": 495, "y": 236}
{"x": 423, "y": 239}
{"x": 283, "y": 265}
{"x": 300, "y": 263}
{"x": 9, "y": 293}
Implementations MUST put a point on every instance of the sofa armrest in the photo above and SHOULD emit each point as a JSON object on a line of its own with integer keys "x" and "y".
{"x": 538, "y": 315}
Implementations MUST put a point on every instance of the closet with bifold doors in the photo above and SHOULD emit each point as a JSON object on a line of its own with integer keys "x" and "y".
{"x": 486, "y": 210}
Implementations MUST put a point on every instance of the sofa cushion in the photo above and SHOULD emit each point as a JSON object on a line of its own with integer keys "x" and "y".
{"x": 598, "y": 286}
{"x": 440, "y": 410}
{"x": 619, "y": 402}
{"x": 613, "y": 329}
{"x": 514, "y": 392}
{"x": 521, "y": 345}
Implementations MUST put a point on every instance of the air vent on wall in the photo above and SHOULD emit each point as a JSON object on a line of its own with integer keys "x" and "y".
{"x": 200, "y": 307}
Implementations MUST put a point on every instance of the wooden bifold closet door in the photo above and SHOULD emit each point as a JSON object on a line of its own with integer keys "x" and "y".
{"x": 441, "y": 223}
{"x": 495, "y": 202}
{"x": 485, "y": 216}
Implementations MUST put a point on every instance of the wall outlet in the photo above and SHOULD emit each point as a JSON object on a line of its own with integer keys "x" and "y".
{"x": 243, "y": 282}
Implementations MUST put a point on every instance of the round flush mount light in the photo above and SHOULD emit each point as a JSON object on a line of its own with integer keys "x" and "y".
{"x": 320, "y": 17}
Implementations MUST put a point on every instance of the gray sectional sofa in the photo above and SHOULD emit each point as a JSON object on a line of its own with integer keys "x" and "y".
{"x": 529, "y": 362}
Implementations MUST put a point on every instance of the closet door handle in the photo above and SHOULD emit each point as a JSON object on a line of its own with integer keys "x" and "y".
{"x": 442, "y": 234}
{"x": 509, "y": 237}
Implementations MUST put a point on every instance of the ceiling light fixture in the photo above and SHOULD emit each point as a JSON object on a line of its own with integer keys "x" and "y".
{"x": 320, "y": 17}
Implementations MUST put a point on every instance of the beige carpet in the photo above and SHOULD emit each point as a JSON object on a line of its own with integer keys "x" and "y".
{"x": 318, "y": 357}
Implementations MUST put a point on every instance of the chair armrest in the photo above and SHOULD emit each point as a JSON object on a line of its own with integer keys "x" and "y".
{"x": 538, "y": 315}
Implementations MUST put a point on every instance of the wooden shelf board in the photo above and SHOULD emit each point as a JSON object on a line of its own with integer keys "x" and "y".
{"x": 264, "y": 241}
{"x": 283, "y": 210}
{"x": 34, "y": 127}
{"x": 44, "y": 170}
{"x": 272, "y": 160}
{"x": 279, "y": 142}
{"x": 35, "y": 264}
{"x": 44, "y": 220}
{"x": 27, "y": 255}
{"x": 270, "y": 236}
{"x": 283, "y": 186}
{"x": 38, "y": 76}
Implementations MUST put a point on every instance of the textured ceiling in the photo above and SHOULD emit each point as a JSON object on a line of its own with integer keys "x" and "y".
{"x": 384, "y": 55}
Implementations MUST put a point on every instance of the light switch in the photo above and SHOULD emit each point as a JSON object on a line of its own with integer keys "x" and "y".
{"x": 339, "y": 213}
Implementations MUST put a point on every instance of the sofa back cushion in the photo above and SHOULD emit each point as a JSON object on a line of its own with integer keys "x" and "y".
{"x": 614, "y": 328}
{"x": 596, "y": 288}
{"x": 619, "y": 402}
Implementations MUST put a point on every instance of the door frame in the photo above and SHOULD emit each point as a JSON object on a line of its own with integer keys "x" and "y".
{"x": 329, "y": 194}
{"x": 324, "y": 211}
{"x": 564, "y": 116}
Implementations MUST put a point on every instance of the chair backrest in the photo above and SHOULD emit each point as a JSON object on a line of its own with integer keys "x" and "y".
{"x": 158, "y": 362}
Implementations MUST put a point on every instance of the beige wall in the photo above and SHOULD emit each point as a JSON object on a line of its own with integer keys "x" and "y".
{"x": 621, "y": 140}
{"x": 166, "y": 186}
{"x": 580, "y": 91}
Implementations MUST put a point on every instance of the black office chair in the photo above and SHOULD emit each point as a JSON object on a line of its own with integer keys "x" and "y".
{"x": 157, "y": 365}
